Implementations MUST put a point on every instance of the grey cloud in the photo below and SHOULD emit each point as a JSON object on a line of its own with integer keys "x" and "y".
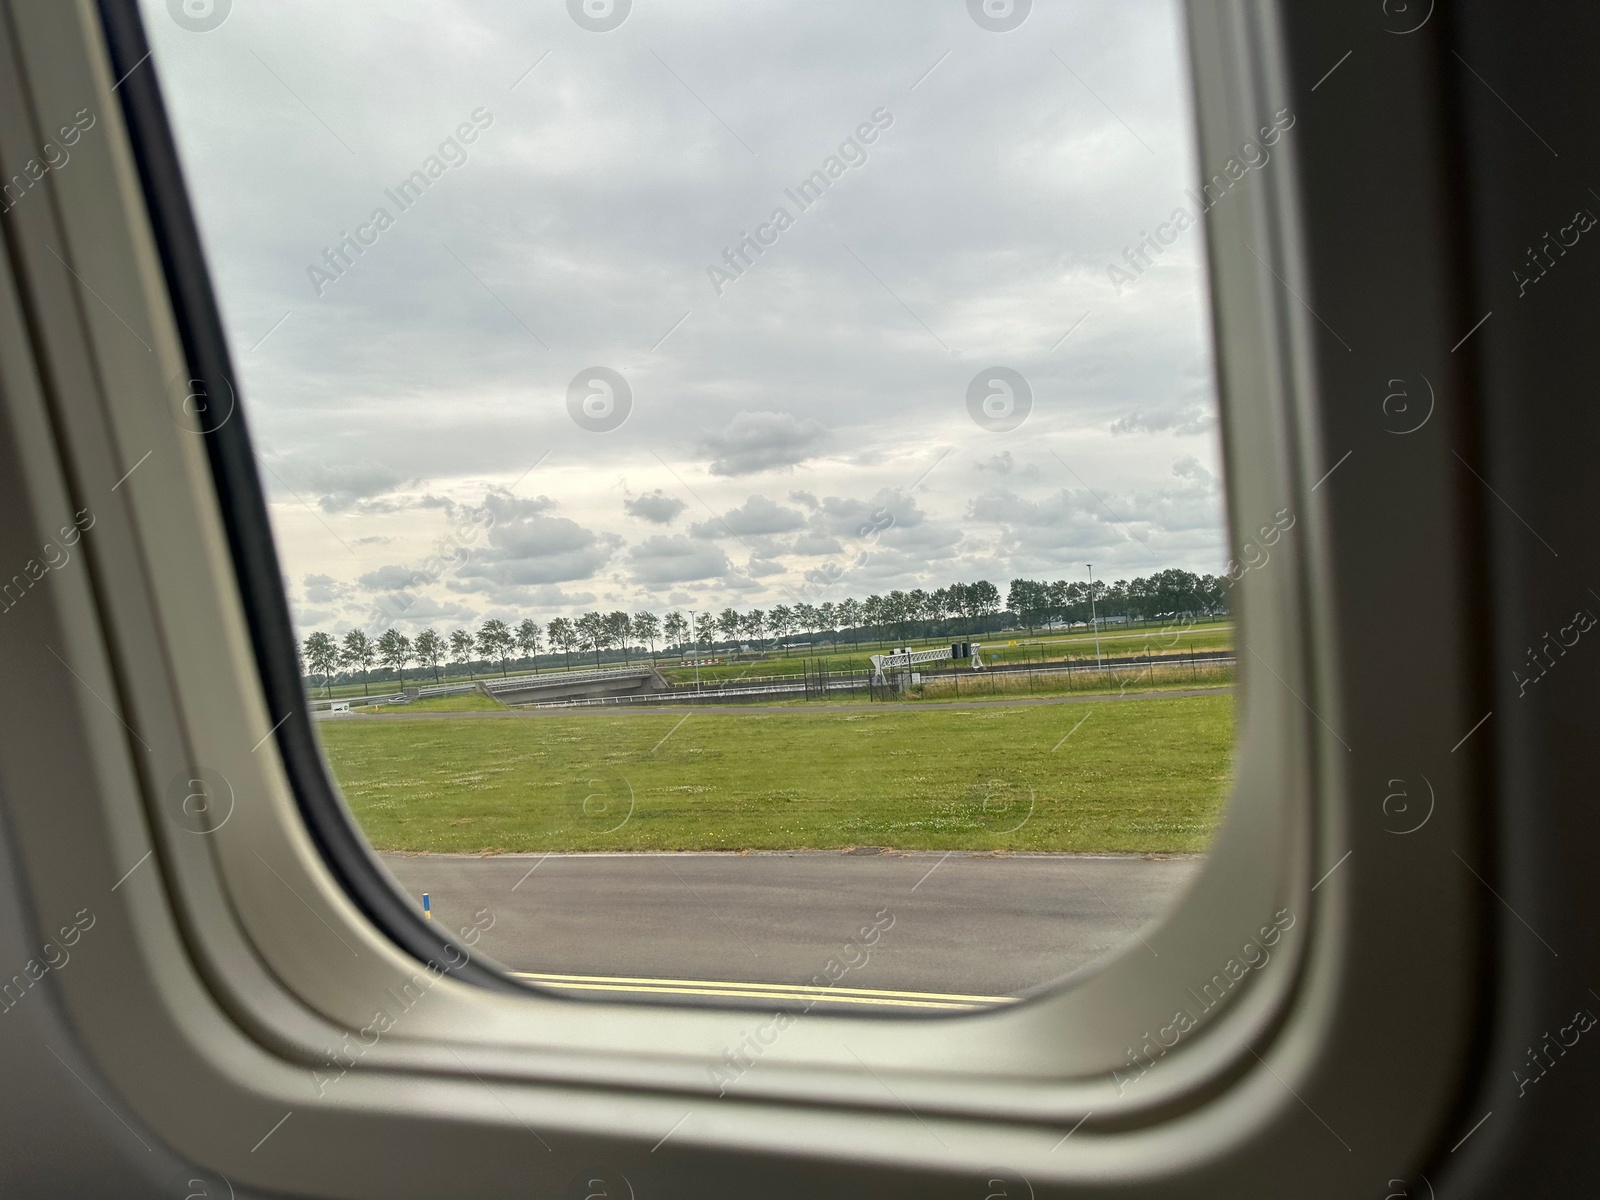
{"x": 656, "y": 507}
{"x": 889, "y": 508}
{"x": 415, "y": 611}
{"x": 1004, "y": 464}
{"x": 1188, "y": 506}
{"x": 527, "y": 546}
{"x": 761, "y": 567}
{"x": 762, "y": 441}
{"x": 1062, "y": 521}
{"x": 1194, "y": 419}
{"x": 738, "y": 584}
{"x": 522, "y": 597}
{"x": 1004, "y": 506}
{"x": 339, "y": 487}
{"x": 756, "y": 516}
{"x": 393, "y": 578}
{"x": 324, "y": 589}
{"x": 814, "y": 543}
{"x": 674, "y": 558}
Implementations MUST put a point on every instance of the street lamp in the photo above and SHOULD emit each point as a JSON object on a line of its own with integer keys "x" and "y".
{"x": 1094, "y": 618}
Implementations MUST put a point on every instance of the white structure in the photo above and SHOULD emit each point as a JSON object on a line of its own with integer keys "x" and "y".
{"x": 900, "y": 660}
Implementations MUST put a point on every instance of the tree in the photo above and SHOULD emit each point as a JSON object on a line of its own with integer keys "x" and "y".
{"x": 919, "y": 607}
{"x": 562, "y": 637}
{"x": 805, "y": 615}
{"x": 897, "y": 612}
{"x": 322, "y": 656}
{"x": 591, "y": 630}
{"x": 495, "y": 640}
{"x": 1028, "y": 600}
{"x": 618, "y": 626}
{"x": 676, "y": 629}
{"x": 1064, "y": 598}
{"x": 358, "y": 651}
{"x": 461, "y": 649}
{"x": 646, "y": 629}
{"x": 849, "y": 615}
{"x": 528, "y": 641}
{"x": 754, "y": 624}
{"x": 984, "y": 598}
{"x": 430, "y": 650}
{"x": 705, "y": 629}
{"x": 394, "y": 651}
{"x": 872, "y": 612}
{"x": 728, "y": 623}
{"x": 782, "y": 619}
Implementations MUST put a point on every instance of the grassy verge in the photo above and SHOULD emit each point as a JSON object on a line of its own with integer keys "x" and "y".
{"x": 1135, "y": 775}
{"x": 974, "y": 685}
{"x": 1009, "y": 647}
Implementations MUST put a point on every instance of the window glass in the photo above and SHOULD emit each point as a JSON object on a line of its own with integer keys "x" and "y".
{"x": 747, "y": 476}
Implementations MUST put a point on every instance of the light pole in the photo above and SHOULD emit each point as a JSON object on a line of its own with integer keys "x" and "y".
{"x": 1094, "y": 618}
{"x": 698, "y": 631}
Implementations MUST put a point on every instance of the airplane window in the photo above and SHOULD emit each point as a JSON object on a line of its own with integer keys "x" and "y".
{"x": 747, "y": 477}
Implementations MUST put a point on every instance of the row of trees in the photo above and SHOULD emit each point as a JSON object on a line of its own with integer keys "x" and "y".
{"x": 1166, "y": 592}
{"x": 961, "y": 607}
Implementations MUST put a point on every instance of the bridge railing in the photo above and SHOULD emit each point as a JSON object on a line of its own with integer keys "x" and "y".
{"x": 554, "y": 678}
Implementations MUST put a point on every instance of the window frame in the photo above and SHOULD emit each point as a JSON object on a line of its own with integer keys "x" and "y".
{"x": 248, "y": 991}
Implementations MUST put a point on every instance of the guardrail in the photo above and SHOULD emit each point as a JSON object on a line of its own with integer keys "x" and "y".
{"x": 708, "y": 696}
{"x": 564, "y": 677}
{"x": 445, "y": 689}
{"x": 361, "y": 701}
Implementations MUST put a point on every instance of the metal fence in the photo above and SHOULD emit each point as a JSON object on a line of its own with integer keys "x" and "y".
{"x": 818, "y": 682}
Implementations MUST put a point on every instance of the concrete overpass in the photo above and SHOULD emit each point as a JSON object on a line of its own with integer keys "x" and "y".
{"x": 610, "y": 683}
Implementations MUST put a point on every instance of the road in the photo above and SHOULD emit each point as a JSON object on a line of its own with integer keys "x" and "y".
{"x": 953, "y": 931}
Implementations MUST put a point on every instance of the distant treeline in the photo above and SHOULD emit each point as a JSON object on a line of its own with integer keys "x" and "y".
{"x": 961, "y": 608}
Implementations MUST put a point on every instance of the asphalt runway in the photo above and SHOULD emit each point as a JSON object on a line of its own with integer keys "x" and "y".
{"x": 907, "y": 930}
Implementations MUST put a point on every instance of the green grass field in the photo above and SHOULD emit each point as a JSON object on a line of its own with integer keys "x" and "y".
{"x": 1127, "y": 775}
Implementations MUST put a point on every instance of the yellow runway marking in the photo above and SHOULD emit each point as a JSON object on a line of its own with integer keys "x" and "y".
{"x": 764, "y": 991}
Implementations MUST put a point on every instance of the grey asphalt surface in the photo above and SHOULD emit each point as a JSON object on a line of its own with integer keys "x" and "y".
{"x": 984, "y": 924}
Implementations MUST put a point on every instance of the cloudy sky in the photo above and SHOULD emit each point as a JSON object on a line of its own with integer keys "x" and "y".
{"x": 806, "y": 422}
